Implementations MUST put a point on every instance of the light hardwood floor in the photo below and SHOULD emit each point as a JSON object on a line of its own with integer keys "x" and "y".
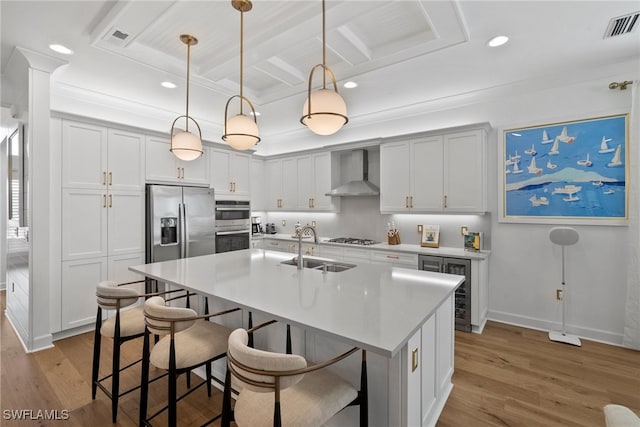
{"x": 508, "y": 376}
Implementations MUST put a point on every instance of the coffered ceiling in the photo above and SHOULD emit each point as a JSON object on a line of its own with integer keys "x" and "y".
{"x": 403, "y": 54}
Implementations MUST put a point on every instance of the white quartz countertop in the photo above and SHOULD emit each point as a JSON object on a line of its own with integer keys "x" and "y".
{"x": 416, "y": 249}
{"x": 376, "y": 307}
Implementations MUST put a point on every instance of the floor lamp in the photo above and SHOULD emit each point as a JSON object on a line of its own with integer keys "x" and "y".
{"x": 564, "y": 236}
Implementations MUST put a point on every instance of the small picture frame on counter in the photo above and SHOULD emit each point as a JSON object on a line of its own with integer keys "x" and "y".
{"x": 473, "y": 241}
{"x": 430, "y": 236}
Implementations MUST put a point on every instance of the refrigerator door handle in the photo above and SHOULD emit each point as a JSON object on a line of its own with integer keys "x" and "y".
{"x": 186, "y": 231}
{"x": 181, "y": 222}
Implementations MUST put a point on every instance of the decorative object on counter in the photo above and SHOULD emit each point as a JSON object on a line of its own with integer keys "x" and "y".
{"x": 573, "y": 172}
{"x": 430, "y": 236}
{"x": 393, "y": 235}
{"x": 564, "y": 236}
{"x": 270, "y": 228}
{"x": 297, "y": 229}
{"x": 241, "y": 131}
{"x": 324, "y": 112}
{"x": 184, "y": 144}
{"x": 473, "y": 241}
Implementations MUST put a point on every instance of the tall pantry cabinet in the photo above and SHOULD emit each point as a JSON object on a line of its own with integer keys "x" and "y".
{"x": 102, "y": 203}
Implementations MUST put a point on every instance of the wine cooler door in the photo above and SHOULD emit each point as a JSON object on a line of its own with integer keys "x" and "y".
{"x": 462, "y": 303}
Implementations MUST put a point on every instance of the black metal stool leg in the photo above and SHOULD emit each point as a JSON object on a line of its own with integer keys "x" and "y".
{"x": 144, "y": 380}
{"x": 97, "y": 339}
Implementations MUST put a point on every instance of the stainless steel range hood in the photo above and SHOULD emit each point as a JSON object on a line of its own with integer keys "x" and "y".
{"x": 358, "y": 163}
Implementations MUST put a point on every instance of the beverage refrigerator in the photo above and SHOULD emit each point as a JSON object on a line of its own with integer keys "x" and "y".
{"x": 460, "y": 267}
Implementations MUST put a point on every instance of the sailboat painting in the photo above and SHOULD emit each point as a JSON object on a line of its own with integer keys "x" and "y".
{"x": 580, "y": 177}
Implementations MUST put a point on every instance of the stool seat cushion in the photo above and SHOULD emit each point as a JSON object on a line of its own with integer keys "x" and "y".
{"x": 202, "y": 341}
{"x": 311, "y": 402}
{"x": 131, "y": 323}
{"x": 620, "y": 416}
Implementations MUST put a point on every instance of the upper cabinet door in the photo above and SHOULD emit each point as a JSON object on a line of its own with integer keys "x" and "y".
{"x": 426, "y": 174}
{"x": 195, "y": 171}
{"x": 464, "y": 172}
{"x": 220, "y": 165}
{"x": 240, "y": 176}
{"x": 84, "y": 156}
{"x": 322, "y": 172}
{"x": 395, "y": 176}
{"x": 125, "y": 161}
{"x": 273, "y": 177}
{"x": 161, "y": 164}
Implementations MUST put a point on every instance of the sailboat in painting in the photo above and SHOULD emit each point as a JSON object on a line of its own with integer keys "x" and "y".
{"x": 604, "y": 148}
{"x": 533, "y": 169}
{"x": 555, "y": 149}
{"x": 539, "y": 201}
{"x": 545, "y": 138}
{"x": 563, "y": 137}
{"x": 516, "y": 169}
{"x": 616, "y": 161}
{"x": 587, "y": 162}
{"x": 531, "y": 152}
{"x": 551, "y": 165}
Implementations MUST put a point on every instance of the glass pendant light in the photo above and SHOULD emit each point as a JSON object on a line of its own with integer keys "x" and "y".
{"x": 184, "y": 144}
{"x": 324, "y": 112}
{"x": 241, "y": 131}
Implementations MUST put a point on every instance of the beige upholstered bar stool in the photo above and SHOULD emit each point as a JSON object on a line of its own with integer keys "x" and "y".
{"x": 278, "y": 389}
{"x": 187, "y": 341}
{"x": 125, "y": 325}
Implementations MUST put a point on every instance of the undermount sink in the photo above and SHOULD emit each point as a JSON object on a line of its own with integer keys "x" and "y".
{"x": 320, "y": 264}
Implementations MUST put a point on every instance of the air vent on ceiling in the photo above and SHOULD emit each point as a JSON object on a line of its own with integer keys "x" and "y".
{"x": 120, "y": 35}
{"x": 622, "y": 25}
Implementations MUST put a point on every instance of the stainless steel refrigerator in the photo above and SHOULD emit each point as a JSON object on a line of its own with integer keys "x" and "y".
{"x": 180, "y": 222}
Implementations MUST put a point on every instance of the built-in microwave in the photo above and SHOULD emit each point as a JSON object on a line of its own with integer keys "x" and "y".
{"x": 233, "y": 225}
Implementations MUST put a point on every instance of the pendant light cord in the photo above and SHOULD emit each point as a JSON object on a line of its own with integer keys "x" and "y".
{"x": 241, "y": 55}
{"x": 324, "y": 51}
{"x": 188, "y": 62}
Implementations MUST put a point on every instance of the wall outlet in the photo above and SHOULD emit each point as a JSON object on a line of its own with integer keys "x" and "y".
{"x": 420, "y": 228}
{"x": 313, "y": 223}
{"x": 463, "y": 230}
{"x": 284, "y": 222}
{"x": 559, "y": 294}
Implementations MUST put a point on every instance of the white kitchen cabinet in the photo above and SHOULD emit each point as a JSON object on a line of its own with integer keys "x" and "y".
{"x": 400, "y": 259}
{"x": 314, "y": 181}
{"x": 162, "y": 166}
{"x": 435, "y": 173}
{"x": 79, "y": 281}
{"x": 95, "y": 157}
{"x": 282, "y": 184}
{"x": 230, "y": 174}
{"x": 96, "y": 224}
{"x": 257, "y": 185}
{"x": 300, "y": 182}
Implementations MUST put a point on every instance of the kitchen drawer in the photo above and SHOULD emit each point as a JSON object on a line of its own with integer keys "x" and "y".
{"x": 276, "y": 245}
{"x": 332, "y": 252}
{"x": 397, "y": 258}
{"x": 356, "y": 253}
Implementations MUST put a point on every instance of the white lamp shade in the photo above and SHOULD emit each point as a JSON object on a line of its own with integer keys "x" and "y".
{"x": 328, "y": 112}
{"x": 241, "y": 132}
{"x": 186, "y": 146}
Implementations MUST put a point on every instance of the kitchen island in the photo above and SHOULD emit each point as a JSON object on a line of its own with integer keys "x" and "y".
{"x": 404, "y": 318}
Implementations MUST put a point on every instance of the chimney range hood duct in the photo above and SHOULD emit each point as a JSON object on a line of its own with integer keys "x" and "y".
{"x": 359, "y": 163}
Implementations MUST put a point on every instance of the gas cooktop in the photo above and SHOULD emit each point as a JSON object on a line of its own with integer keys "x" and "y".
{"x": 353, "y": 241}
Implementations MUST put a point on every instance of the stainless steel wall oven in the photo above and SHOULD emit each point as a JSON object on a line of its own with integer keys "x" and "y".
{"x": 233, "y": 225}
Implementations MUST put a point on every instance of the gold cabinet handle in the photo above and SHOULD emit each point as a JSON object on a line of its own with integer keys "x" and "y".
{"x": 178, "y": 173}
{"x": 104, "y": 200}
{"x": 313, "y": 202}
{"x": 110, "y": 200}
{"x": 393, "y": 256}
{"x": 406, "y": 201}
{"x": 234, "y": 187}
{"x": 110, "y": 178}
{"x": 182, "y": 173}
{"x": 273, "y": 243}
{"x": 414, "y": 359}
{"x": 104, "y": 178}
{"x": 411, "y": 201}
{"x": 445, "y": 200}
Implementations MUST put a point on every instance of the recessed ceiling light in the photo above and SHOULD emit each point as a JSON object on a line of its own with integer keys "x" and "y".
{"x": 350, "y": 85}
{"x": 168, "y": 85}
{"x": 498, "y": 41}
{"x": 60, "y": 49}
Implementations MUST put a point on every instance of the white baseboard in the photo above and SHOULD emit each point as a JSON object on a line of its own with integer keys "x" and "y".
{"x": 73, "y": 332}
{"x": 39, "y": 343}
{"x": 590, "y": 334}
